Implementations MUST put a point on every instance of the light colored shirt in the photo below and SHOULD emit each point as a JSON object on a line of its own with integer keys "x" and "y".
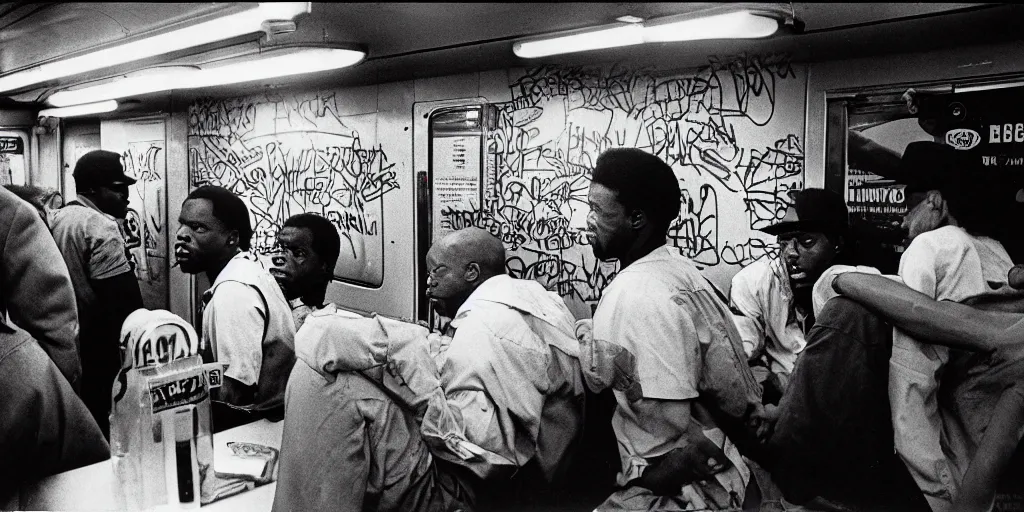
{"x": 944, "y": 264}
{"x": 769, "y": 321}
{"x": 508, "y": 381}
{"x": 245, "y": 318}
{"x": 512, "y": 366}
{"x": 662, "y": 311}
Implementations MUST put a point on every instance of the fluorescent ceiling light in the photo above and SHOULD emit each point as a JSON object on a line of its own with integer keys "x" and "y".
{"x": 733, "y": 25}
{"x": 80, "y": 110}
{"x": 307, "y": 60}
{"x": 218, "y": 29}
{"x": 622, "y": 35}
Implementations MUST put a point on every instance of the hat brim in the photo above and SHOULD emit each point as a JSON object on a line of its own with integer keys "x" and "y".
{"x": 125, "y": 181}
{"x": 795, "y": 226}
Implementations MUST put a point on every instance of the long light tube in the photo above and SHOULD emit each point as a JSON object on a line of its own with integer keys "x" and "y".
{"x": 80, "y": 110}
{"x": 732, "y": 25}
{"x": 218, "y": 29}
{"x": 309, "y": 60}
{"x": 623, "y": 35}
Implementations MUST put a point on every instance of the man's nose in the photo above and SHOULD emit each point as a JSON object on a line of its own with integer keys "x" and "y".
{"x": 789, "y": 250}
{"x": 182, "y": 234}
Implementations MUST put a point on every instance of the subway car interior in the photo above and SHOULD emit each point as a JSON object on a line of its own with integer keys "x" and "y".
{"x": 841, "y": 250}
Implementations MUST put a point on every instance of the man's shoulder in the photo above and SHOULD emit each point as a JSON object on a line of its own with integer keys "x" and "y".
{"x": 669, "y": 273}
{"x": 79, "y": 218}
{"x": 944, "y": 237}
{"x": 755, "y": 276}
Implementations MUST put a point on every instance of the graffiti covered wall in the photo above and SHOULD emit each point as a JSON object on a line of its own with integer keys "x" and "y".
{"x": 289, "y": 154}
{"x": 142, "y": 148}
{"x": 731, "y": 130}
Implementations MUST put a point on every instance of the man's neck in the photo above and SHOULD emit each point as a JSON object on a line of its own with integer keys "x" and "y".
{"x": 643, "y": 246}
{"x": 315, "y": 299}
{"x": 218, "y": 267}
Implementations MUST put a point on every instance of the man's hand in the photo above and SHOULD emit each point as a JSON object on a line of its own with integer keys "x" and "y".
{"x": 698, "y": 460}
{"x": 762, "y": 421}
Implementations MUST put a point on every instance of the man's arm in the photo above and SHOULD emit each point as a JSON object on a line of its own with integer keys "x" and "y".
{"x": 697, "y": 459}
{"x": 237, "y": 320}
{"x": 750, "y": 321}
{"x": 944, "y": 323}
{"x": 39, "y": 296}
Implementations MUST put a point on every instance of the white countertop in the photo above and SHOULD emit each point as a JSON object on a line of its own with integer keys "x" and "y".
{"x": 92, "y": 487}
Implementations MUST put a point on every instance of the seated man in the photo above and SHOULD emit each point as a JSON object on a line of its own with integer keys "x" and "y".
{"x": 952, "y": 255}
{"x": 773, "y": 295}
{"x": 309, "y": 246}
{"x": 830, "y": 439}
{"x": 987, "y": 360}
{"x": 246, "y": 322}
{"x": 438, "y": 424}
{"x": 44, "y": 426}
{"x": 833, "y": 439}
{"x": 685, "y": 393}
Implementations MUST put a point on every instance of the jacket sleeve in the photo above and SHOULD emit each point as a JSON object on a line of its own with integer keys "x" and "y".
{"x": 750, "y": 318}
{"x": 37, "y": 287}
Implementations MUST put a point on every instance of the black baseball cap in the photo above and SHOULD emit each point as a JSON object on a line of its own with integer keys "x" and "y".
{"x": 813, "y": 210}
{"x": 100, "y": 168}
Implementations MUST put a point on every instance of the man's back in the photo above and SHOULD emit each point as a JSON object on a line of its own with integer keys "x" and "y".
{"x": 92, "y": 248}
{"x": 44, "y": 427}
{"x": 514, "y": 347}
{"x": 687, "y": 350}
{"x": 39, "y": 295}
{"x": 944, "y": 264}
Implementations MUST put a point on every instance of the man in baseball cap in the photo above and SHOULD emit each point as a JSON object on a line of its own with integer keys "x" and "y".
{"x": 106, "y": 291}
{"x": 772, "y": 295}
{"x": 100, "y": 177}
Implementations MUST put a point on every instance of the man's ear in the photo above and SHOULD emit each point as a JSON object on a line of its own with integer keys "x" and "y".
{"x": 938, "y": 203}
{"x": 472, "y": 271}
{"x": 233, "y": 238}
{"x": 637, "y": 219}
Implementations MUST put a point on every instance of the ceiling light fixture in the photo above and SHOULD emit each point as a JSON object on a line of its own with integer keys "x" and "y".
{"x": 219, "y": 29}
{"x": 80, "y": 110}
{"x": 280, "y": 63}
{"x": 708, "y": 24}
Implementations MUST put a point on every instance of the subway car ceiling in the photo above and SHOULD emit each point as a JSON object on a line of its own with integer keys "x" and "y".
{"x": 441, "y": 124}
{"x": 416, "y": 40}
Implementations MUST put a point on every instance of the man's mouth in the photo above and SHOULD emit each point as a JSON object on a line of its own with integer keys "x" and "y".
{"x": 797, "y": 274}
{"x": 181, "y": 252}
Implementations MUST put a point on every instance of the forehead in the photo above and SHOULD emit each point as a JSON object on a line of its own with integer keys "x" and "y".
{"x": 299, "y": 237}
{"x": 200, "y": 211}
{"x": 603, "y": 196}
{"x": 438, "y": 254}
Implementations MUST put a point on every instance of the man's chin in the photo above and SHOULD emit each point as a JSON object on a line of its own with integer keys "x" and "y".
{"x": 189, "y": 267}
{"x": 600, "y": 254}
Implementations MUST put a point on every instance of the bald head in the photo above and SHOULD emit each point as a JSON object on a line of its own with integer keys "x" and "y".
{"x": 476, "y": 245}
{"x": 459, "y": 263}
